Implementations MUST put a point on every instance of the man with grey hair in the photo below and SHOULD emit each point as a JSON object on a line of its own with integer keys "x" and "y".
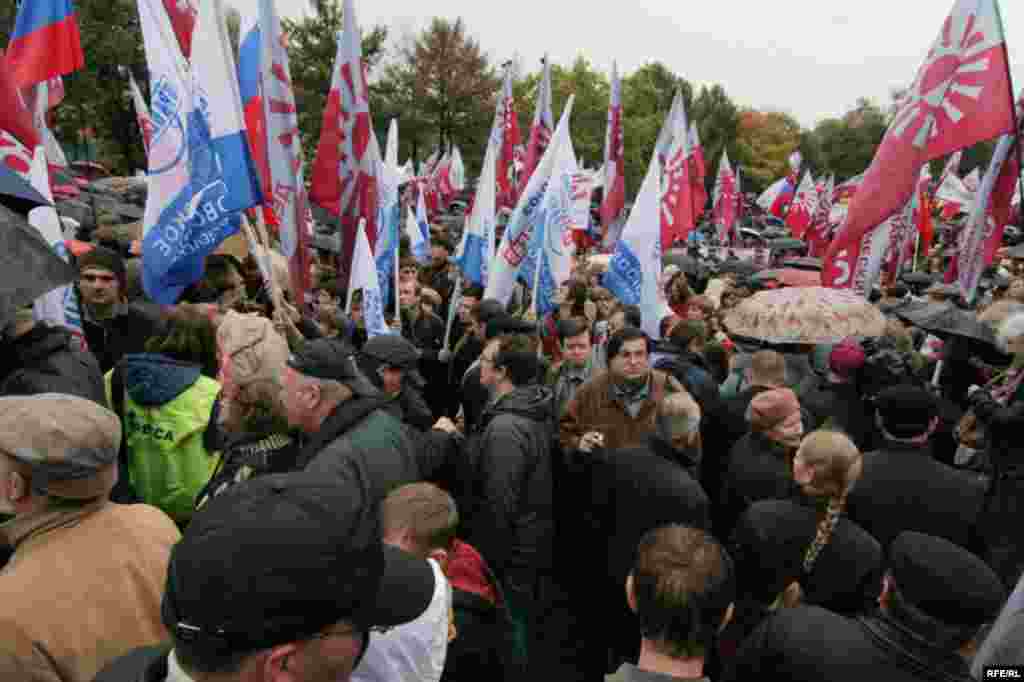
{"x": 349, "y": 433}
{"x": 96, "y": 568}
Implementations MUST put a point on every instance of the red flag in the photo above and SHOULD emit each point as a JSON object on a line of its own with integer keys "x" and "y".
{"x": 698, "y": 173}
{"x": 803, "y": 207}
{"x": 343, "y": 179}
{"x": 818, "y": 231}
{"x": 183, "y": 21}
{"x": 923, "y": 218}
{"x": 614, "y": 200}
{"x": 543, "y": 125}
{"x": 726, "y": 200}
{"x": 508, "y": 191}
{"x": 15, "y": 117}
{"x": 676, "y": 201}
{"x": 961, "y": 96}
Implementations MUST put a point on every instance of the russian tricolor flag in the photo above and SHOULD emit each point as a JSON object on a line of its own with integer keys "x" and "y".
{"x": 250, "y": 51}
{"x": 46, "y": 42}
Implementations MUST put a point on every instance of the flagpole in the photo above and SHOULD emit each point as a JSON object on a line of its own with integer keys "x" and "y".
{"x": 452, "y": 308}
{"x": 917, "y": 252}
{"x": 1013, "y": 112}
{"x": 398, "y": 304}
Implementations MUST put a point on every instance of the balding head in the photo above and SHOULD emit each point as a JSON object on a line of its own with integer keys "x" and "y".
{"x": 768, "y": 368}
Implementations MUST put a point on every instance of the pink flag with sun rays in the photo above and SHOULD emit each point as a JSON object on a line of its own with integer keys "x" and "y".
{"x": 961, "y": 96}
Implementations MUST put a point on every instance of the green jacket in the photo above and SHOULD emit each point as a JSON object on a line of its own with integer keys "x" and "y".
{"x": 167, "y": 407}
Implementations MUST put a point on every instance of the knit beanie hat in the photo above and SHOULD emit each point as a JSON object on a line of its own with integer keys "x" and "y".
{"x": 776, "y": 413}
{"x": 102, "y": 258}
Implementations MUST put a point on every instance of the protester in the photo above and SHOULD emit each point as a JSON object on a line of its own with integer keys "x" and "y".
{"x": 681, "y": 589}
{"x": 38, "y": 358}
{"x": 255, "y": 438}
{"x": 420, "y": 519}
{"x": 576, "y": 367}
{"x": 760, "y": 462}
{"x": 510, "y": 515}
{"x": 165, "y": 398}
{"x": 903, "y": 488}
{"x": 83, "y": 585}
{"x": 390, "y": 363}
{"x": 475, "y": 395}
{"x": 836, "y": 400}
{"x": 349, "y": 433}
{"x": 113, "y": 328}
{"x": 238, "y": 612}
{"x": 617, "y": 408}
{"x": 467, "y": 348}
{"x": 936, "y": 597}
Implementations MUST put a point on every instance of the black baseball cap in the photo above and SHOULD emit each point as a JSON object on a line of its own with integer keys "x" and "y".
{"x": 283, "y": 557}
{"x": 331, "y": 359}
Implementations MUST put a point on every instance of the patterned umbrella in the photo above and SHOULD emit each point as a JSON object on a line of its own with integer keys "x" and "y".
{"x": 790, "y": 277}
{"x": 806, "y": 315}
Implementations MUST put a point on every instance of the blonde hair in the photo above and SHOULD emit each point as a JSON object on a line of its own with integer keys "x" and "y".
{"x": 836, "y": 463}
{"x": 1011, "y": 328}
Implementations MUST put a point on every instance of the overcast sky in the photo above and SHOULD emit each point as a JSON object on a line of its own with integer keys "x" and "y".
{"x": 811, "y": 58}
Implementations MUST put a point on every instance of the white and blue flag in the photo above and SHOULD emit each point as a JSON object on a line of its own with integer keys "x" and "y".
{"x": 201, "y": 173}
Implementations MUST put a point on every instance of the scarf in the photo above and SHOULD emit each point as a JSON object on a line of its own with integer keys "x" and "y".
{"x": 631, "y": 395}
{"x": 1004, "y": 386}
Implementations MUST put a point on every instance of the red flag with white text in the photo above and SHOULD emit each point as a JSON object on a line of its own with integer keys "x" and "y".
{"x": 961, "y": 96}
{"x": 614, "y": 199}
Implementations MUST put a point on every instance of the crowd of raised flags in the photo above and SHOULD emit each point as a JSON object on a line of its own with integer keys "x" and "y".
{"x": 222, "y": 142}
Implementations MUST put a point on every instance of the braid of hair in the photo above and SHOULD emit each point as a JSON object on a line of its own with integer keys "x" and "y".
{"x": 826, "y": 525}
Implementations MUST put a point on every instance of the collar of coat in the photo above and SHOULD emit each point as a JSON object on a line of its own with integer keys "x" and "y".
{"x": 22, "y": 528}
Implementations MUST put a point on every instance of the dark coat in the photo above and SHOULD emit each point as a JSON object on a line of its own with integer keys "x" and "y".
{"x": 773, "y": 535}
{"x": 362, "y": 442}
{"x": 902, "y": 488}
{"x": 126, "y": 332}
{"x": 465, "y": 353}
{"x": 1000, "y": 521}
{"x": 633, "y": 490}
{"x": 474, "y": 398}
{"x": 841, "y": 405}
{"x": 809, "y": 644}
{"x": 759, "y": 469}
{"x": 49, "y": 360}
{"x": 509, "y": 510}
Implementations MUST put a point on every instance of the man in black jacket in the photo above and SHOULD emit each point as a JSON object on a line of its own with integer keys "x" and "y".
{"x": 509, "y": 507}
{"x": 936, "y": 597}
{"x": 903, "y": 488}
{"x": 38, "y": 358}
{"x": 113, "y": 328}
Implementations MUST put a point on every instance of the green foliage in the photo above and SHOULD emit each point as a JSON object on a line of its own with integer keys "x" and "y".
{"x": 848, "y": 144}
{"x": 312, "y": 47}
{"x": 768, "y": 140}
{"x": 442, "y": 89}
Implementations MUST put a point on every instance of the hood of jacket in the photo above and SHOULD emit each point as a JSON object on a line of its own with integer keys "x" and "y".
{"x": 468, "y": 572}
{"x": 531, "y": 402}
{"x": 152, "y": 379}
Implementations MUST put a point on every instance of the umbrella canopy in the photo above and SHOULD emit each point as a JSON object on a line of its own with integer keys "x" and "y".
{"x": 785, "y": 244}
{"x": 1016, "y": 251}
{"x": 806, "y": 315}
{"x": 918, "y": 278}
{"x": 804, "y": 263}
{"x": 750, "y": 233}
{"x": 775, "y": 233}
{"x": 790, "y": 277}
{"x": 17, "y": 194}
{"x": 945, "y": 319}
{"x": 29, "y": 268}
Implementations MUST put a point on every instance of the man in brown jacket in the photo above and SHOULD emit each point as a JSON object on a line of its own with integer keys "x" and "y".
{"x": 617, "y": 408}
{"x": 85, "y": 580}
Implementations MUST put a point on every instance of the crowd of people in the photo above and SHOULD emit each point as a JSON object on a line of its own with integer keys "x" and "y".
{"x": 229, "y": 489}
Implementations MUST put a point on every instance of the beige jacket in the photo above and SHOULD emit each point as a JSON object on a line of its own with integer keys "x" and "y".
{"x": 82, "y": 589}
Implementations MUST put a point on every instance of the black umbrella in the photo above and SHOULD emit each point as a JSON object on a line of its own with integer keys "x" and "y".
{"x": 945, "y": 319}
{"x": 17, "y": 194}
{"x": 805, "y": 263}
{"x": 786, "y": 244}
{"x": 1016, "y": 251}
{"x": 29, "y": 267}
{"x": 775, "y": 233}
{"x": 918, "y": 278}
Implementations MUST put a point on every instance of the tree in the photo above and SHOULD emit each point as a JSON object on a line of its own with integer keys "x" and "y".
{"x": 442, "y": 88}
{"x": 312, "y": 47}
{"x": 717, "y": 119}
{"x": 768, "y": 139}
{"x": 848, "y": 144}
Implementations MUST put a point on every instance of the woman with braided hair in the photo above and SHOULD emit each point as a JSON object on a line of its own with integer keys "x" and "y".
{"x": 805, "y": 549}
